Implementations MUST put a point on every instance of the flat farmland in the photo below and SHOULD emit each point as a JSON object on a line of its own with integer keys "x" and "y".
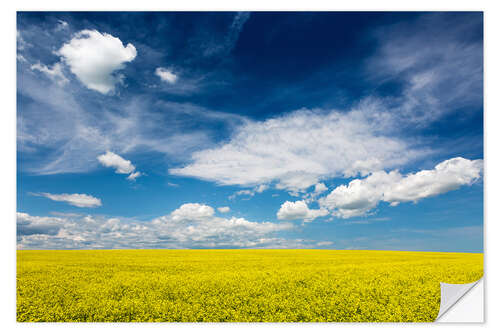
{"x": 236, "y": 285}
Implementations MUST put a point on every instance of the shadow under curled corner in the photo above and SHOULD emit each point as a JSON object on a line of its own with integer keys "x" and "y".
{"x": 462, "y": 302}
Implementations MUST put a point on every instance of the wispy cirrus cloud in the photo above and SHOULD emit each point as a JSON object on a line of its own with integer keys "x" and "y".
{"x": 55, "y": 73}
{"x": 440, "y": 69}
{"x": 212, "y": 44}
{"x": 75, "y": 199}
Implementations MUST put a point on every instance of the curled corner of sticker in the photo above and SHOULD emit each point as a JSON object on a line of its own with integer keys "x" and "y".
{"x": 451, "y": 294}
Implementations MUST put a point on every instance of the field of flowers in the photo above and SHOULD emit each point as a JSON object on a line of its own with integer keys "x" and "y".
{"x": 236, "y": 285}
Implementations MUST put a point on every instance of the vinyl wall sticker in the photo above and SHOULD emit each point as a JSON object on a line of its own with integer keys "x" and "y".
{"x": 248, "y": 166}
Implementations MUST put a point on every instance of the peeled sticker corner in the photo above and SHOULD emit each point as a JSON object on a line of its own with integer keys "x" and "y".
{"x": 453, "y": 295}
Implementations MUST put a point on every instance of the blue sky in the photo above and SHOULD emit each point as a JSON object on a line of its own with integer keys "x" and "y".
{"x": 250, "y": 130}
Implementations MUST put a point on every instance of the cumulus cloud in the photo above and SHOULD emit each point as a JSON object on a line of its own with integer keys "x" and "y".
{"x": 300, "y": 148}
{"x": 121, "y": 165}
{"x": 94, "y": 58}
{"x": 55, "y": 73}
{"x": 191, "y": 211}
{"x": 299, "y": 210}
{"x": 224, "y": 209}
{"x": 446, "y": 176}
{"x": 36, "y": 225}
{"x": 360, "y": 196}
{"x": 166, "y": 75}
{"x": 192, "y": 225}
{"x": 76, "y": 199}
{"x": 196, "y": 223}
{"x": 134, "y": 175}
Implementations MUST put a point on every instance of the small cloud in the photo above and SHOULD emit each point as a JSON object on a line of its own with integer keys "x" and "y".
{"x": 166, "y": 75}
{"x": 261, "y": 188}
{"x": 94, "y": 58}
{"x": 134, "y": 175}
{"x": 192, "y": 211}
{"x": 298, "y": 210}
{"x": 21, "y": 58}
{"x": 326, "y": 243}
{"x": 224, "y": 209}
{"x": 312, "y": 196}
{"x": 250, "y": 193}
{"x": 61, "y": 25}
{"x": 76, "y": 199}
{"x": 172, "y": 184}
{"x": 121, "y": 165}
{"x": 320, "y": 188}
{"x": 55, "y": 73}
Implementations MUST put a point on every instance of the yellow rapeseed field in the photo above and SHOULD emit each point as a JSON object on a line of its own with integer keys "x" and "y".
{"x": 236, "y": 285}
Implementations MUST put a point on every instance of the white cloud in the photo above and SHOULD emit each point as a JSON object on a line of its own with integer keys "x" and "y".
{"x": 166, "y": 75}
{"x": 224, "y": 209}
{"x": 310, "y": 197}
{"x": 360, "y": 196}
{"x": 31, "y": 225}
{"x": 446, "y": 176}
{"x": 298, "y": 210}
{"x": 21, "y": 58}
{"x": 55, "y": 73}
{"x": 76, "y": 199}
{"x": 21, "y": 42}
{"x": 61, "y": 25}
{"x": 250, "y": 193}
{"x": 192, "y": 211}
{"x": 94, "y": 58}
{"x": 300, "y": 148}
{"x": 76, "y": 134}
{"x": 134, "y": 175}
{"x": 196, "y": 224}
{"x": 325, "y": 243}
{"x": 192, "y": 225}
{"x": 261, "y": 188}
{"x": 442, "y": 70}
{"x": 120, "y": 164}
{"x": 320, "y": 188}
